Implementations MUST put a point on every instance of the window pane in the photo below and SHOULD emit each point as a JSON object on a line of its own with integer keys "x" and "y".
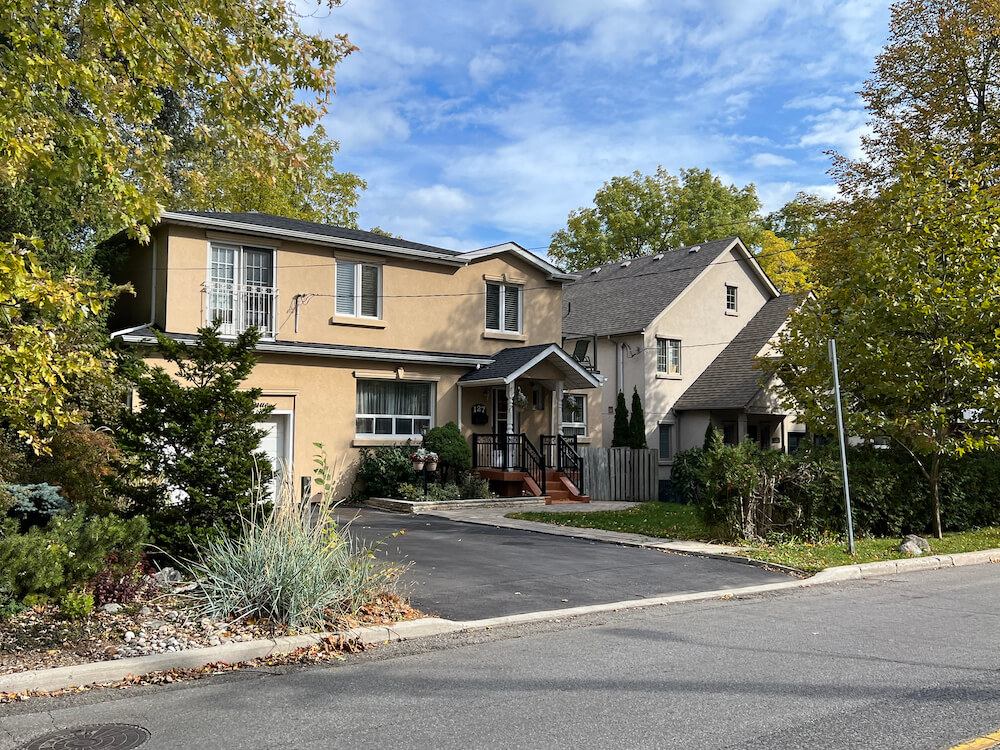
{"x": 369, "y": 291}
{"x": 345, "y": 288}
{"x": 493, "y": 307}
{"x": 383, "y": 425}
{"x": 575, "y": 430}
{"x": 258, "y": 268}
{"x": 364, "y": 425}
{"x": 661, "y": 355}
{"x": 674, "y": 363}
{"x": 421, "y": 424}
{"x": 404, "y": 426}
{"x": 512, "y": 309}
{"x": 664, "y": 441}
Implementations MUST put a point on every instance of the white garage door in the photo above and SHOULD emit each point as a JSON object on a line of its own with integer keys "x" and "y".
{"x": 276, "y": 443}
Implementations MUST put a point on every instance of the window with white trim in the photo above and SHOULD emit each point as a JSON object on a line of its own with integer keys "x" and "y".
{"x": 358, "y": 289}
{"x": 240, "y": 289}
{"x": 668, "y": 356}
{"x": 731, "y": 298}
{"x": 393, "y": 408}
{"x": 574, "y": 414}
{"x": 665, "y": 430}
{"x": 503, "y": 307}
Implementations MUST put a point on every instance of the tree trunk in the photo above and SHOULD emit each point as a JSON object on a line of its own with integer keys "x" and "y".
{"x": 935, "y": 475}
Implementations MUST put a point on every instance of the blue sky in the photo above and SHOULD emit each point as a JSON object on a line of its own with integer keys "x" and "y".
{"x": 481, "y": 121}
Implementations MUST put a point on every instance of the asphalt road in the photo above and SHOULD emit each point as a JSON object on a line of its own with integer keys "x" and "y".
{"x": 909, "y": 662}
{"x": 464, "y": 571}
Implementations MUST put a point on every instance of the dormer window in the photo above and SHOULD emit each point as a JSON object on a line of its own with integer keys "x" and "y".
{"x": 358, "y": 289}
{"x": 503, "y": 308}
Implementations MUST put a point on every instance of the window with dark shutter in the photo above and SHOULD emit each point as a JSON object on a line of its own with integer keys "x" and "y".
{"x": 492, "y": 307}
{"x": 503, "y": 308}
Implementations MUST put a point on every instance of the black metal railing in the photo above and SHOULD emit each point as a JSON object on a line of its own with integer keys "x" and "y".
{"x": 568, "y": 460}
{"x": 509, "y": 453}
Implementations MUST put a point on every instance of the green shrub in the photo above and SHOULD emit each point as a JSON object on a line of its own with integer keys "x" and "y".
{"x": 410, "y": 492}
{"x": 452, "y": 448}
{"x": 637, "y": 423}
{"x": 687, "y": 476}
{"x": 476, "y": 488}
{"x": 76, "y": 604}
{"x": 384, "y": 469}
{"x": 443, "y": 493}
{"x": 68, "y": 552}
{"x": 34, "y": 504}
{"x": 287, "y": 569}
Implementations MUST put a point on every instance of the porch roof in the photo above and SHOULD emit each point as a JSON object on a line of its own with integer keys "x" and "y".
{"x": 511, "y": 363}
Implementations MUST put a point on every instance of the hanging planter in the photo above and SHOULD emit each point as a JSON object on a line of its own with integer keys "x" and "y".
{"x": 431, "y": 465}
{"x": 423, "y": 458}
{"x": 520, "y": 401}
{"x": 418, "y": 465}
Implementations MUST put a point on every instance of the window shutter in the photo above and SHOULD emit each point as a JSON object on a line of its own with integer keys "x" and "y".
{"x": 493, "y": 307}
{"x": 512, "y": 311}
{"x": 369, "y": 291}
{"x": 345, "y": 288}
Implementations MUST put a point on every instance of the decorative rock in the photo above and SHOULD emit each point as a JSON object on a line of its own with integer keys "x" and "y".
{"x": 914, "y": 545}
{"x": 112, "y": 608}
{"x": 129, "y": 636}
{"x": 167, "y": 576}
{"x": 145, "y": 612}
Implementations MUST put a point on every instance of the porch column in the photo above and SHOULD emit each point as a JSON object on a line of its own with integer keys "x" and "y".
{"x": 510, "y": 408}
{"x": 557, "y": 408}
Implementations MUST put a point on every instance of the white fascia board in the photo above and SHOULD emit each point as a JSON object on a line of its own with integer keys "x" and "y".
{"x": 545, "y": 354}
{"x": 551, "y": 271}
{"x": 402, "y": 357}
{"x": 316, "y": 239}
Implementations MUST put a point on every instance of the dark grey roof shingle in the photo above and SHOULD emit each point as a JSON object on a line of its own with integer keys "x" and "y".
{"x": 732, "y": 381}
{"x": 626, "y": 300}
{"x": 298, "y": 225}
{"x": 505, "y": 362}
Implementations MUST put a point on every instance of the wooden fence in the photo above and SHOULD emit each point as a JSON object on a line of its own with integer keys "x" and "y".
{"x": 620, "y": 473}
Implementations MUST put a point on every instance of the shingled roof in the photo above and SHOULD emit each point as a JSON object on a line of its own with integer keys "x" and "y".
{"x": 272, "y": 221}
{"x": 731, "y": 381}
{"x": 626, "y": 297}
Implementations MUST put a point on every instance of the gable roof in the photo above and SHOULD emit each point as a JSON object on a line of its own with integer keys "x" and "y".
{"x": 626, "y": 297}
{"x": 271, "y": 225}
{"x": 509, "y": 364}
{"x": 551, "y": 271}
{"x": 731, "y": 381}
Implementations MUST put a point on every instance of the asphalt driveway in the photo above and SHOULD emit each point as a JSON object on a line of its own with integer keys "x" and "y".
{"x": 464, "y": 571}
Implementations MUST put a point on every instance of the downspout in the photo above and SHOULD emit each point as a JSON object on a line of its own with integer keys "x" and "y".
{"x": 152, "y": 299}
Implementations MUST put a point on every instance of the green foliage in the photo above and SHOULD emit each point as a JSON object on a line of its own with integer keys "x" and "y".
{"x": 476, "y": 488}
{"x": 287, "y": 568}
{"x": 68, "y": 552}
{"x": 687, "y": 476}
{"x": 76, "y": 604}
{"x": 452, "y": 448}
{"x": 411, "y": 492}
{"x": 34, "y": 504}
{"x": 642, "y": 214}
{"x": 713, "y": 437}
{"x": 910, "y": 296}
{"x": 196, "y": 431}
{"x": 384, "y": 468}
{"x": 637, "y": 423}
{"x": 621, "y": 435}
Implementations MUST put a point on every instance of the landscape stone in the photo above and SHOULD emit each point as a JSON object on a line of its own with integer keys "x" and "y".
{"x": 914, "y": 545}
{"x": 112, "y": 608}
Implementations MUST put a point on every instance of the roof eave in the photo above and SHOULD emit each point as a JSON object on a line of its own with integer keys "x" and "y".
{"x": 377, "y": 248}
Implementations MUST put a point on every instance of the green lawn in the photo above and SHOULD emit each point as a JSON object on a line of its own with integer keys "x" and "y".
{"x": 672, "y": 521}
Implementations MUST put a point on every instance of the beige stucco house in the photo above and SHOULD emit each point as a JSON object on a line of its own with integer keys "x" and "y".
{"x": 366, "y": 340}
{"x": 684, "y": 328}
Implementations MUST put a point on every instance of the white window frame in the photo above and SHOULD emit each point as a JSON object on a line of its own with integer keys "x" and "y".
{"x": 735, "y": 306}
{"x": 504, "y": 287}
{"x": 664, "y": 348}
{"x": 239, "y": 282}
{"x": 582, "y": 422}
{"x": 357, "y": 297}
{"x": 414, "y": 434}
{"x": 669, "y": 428}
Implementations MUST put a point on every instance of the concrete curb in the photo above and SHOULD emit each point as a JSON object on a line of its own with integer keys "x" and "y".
{"x": 111, "y": 671}
{"x": 415, "y": 508}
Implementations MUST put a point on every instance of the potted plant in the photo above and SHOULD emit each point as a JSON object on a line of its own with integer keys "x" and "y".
{"x": 423, "y": 457}
{"x": 520, "y": 400}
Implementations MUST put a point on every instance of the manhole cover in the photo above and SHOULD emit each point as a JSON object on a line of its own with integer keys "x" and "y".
{"x": 96, "y": 736}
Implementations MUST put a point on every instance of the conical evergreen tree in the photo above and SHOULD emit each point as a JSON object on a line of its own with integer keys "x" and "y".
{"x": 637, "y": 423}
{"x": 713, "y": 438}
{"x": 621, "y": 436}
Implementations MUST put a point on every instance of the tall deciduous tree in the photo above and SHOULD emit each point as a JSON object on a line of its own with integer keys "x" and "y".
{"x": 641, "y": 214}
{"x": 914, "y": 310}
{"x": 783, "y": 264}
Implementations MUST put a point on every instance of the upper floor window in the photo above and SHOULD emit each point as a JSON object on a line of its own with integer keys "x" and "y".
{"x": 503, "y": 307}
{"x": 241, "y": 292}
{"x": 358, "y": 289}
{"x": 731, "y": 298}
{"x": 668, "y": 356}
{"x": 393, "y": 408}
{"x": 574, "y": 414}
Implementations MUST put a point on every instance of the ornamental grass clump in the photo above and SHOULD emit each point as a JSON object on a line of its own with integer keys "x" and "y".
{"x": 291, "y": 566}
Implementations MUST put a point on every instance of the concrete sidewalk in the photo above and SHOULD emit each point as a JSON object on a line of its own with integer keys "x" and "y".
{"x": 496, "y": 517}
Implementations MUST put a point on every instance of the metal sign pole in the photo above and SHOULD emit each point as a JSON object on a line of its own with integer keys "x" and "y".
{"x": 843, "y": 449}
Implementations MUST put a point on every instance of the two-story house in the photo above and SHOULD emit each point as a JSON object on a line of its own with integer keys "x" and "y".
{"x": 684, "y": 328}
{"x": 366, "y": 340}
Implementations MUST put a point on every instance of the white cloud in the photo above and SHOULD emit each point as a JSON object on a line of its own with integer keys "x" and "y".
{"x": 763, "y": 161}
{"x": 821, "y": 102}
{"x": 483, "y": 68}
{"x": 441, "y": 199}
{"x": 839, "y": 129}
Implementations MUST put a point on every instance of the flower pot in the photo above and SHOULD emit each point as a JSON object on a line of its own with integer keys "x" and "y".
{"x": 431, "y": 465}
{"x": 418, "y": 465}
